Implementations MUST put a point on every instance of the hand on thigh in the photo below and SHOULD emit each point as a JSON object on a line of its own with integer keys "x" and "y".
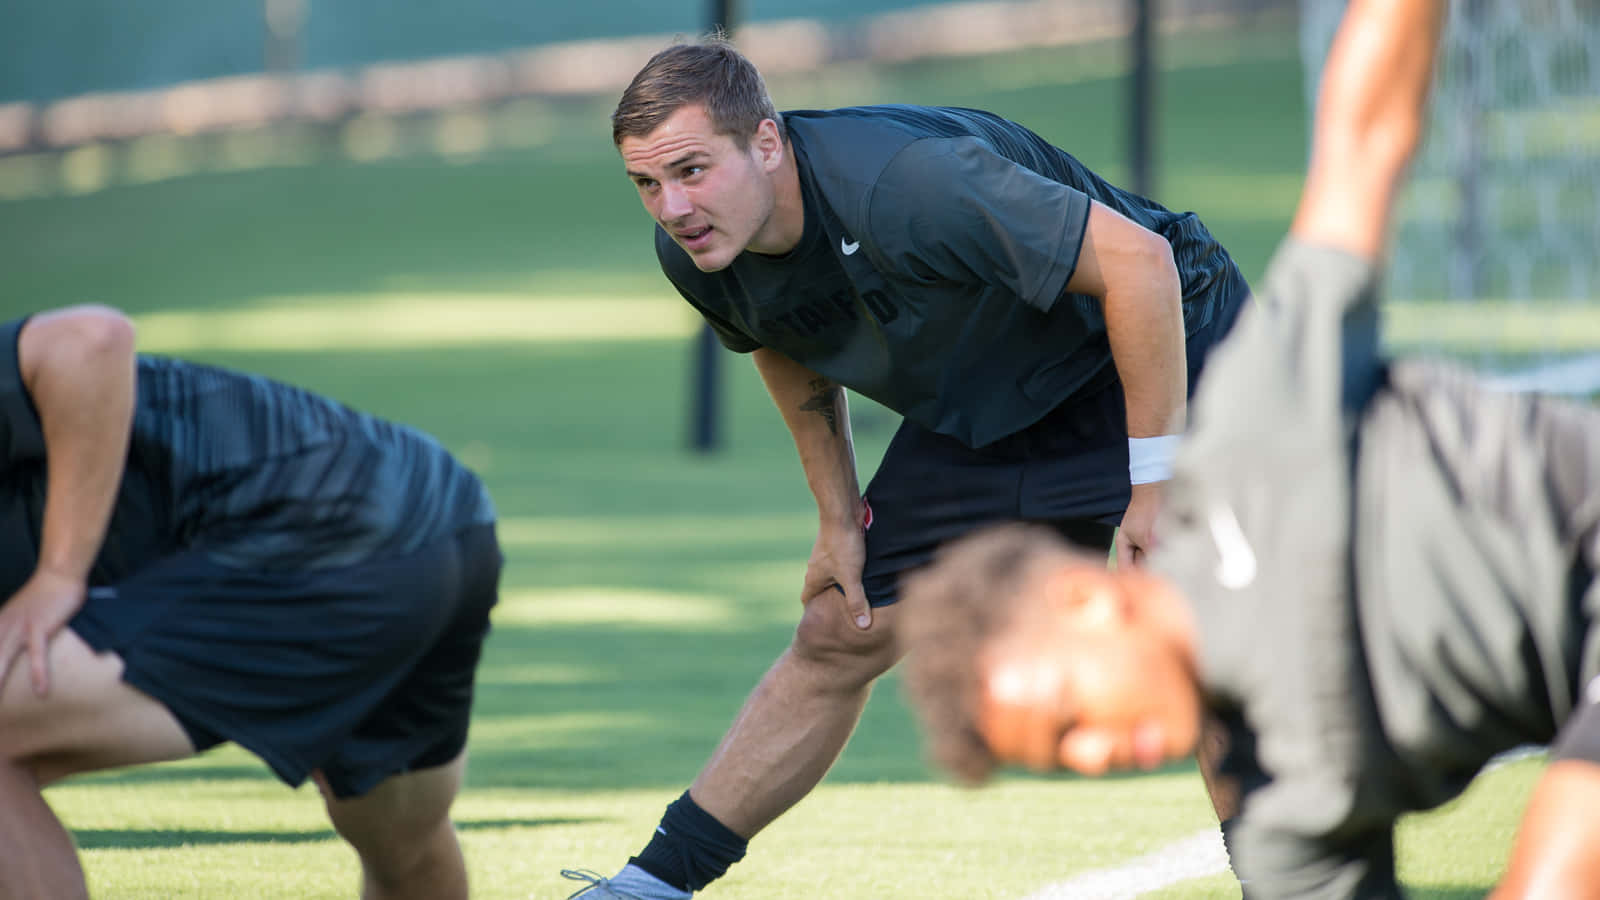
{"x": 89, "y": 720}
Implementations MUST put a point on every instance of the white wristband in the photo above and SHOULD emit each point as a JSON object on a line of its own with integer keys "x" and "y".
{"x": 1150, "y": 459}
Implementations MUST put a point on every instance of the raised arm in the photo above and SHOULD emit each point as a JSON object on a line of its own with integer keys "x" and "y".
{"x": 816, "y": 411}
{"x": 1369, "y": 122}
{"x": 1132, "y": 270}
{"x": 77, "y": 366}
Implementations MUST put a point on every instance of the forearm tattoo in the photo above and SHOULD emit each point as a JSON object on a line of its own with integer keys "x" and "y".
{"x": 823, "y": 402}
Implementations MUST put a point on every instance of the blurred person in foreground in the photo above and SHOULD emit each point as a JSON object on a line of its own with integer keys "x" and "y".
{"x": 190, "y": 556}
{"x": 1375, "y": 575}
{"x": 1038, "y": 329}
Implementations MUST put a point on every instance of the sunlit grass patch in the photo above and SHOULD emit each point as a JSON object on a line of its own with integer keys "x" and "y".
{"x": 388, "y": 321}
{"x": 531, "y": 673}
{"x": 542, "y": 729}
{"x": 676, "y": 529}
{"x": 1499, "y": 326}
{"x": 600, "y": 604}
{"x": 1460, "y": 849}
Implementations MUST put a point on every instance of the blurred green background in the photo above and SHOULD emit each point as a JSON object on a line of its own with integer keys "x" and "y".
{"x": 50, "y": 50}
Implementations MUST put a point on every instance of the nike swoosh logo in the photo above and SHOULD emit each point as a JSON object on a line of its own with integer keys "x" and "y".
{"x": 1236, "y": 564}
{"x": 848, "y": 247}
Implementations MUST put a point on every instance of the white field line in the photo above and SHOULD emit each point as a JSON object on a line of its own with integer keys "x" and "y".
{"x": 1195, "y": 856}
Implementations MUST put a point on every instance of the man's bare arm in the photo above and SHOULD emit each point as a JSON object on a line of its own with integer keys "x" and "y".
{"x": 815, "y": 410}
{"x": 1369, "y": 122}
{"x": 1131, "y": 269}
{"x": 78, "y": 367}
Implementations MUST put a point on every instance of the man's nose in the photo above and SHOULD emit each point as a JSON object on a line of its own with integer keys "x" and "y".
{"x": 675, "y": 203}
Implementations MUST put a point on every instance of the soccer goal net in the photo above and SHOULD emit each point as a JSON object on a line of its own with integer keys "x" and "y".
{"x": 1497, "y": 239}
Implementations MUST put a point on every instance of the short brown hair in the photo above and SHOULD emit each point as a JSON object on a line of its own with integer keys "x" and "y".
{"x": 709, "y": 72}
{"x": 955, "y": 607}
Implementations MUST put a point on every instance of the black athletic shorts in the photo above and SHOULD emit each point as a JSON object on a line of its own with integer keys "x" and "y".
{"x": 1068, "y": 470}
{"x": 364, "y": 671}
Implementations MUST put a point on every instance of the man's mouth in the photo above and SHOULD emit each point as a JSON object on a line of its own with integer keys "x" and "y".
{"x": 694, "y": 238}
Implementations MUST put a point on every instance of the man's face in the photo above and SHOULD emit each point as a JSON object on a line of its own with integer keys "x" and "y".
{"x": 715, "y": 199}
{"x": 1090, "y": 677}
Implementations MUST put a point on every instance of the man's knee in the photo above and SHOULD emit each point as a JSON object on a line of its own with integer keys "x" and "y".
{"x": 402, "y": 817}
{"x": 414, "y": 857}
{"x": 827, "y": 635}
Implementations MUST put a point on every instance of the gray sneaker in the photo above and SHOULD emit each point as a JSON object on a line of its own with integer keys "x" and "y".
{"x": 600, "y": 888}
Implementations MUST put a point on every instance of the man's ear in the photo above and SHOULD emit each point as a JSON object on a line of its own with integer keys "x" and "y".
{"x": 768, "y": 145}
{"x": 1089, "y": 597}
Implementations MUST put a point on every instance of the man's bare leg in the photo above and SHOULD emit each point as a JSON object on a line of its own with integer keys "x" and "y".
{"x": 789, "y": 732}
{"x": 797, "y": 720}
{"x": 1213, "y": 747}
{"x": 40, "y": 858}
{"x": 90, "y": 720}
{"x": 402, "y": 832}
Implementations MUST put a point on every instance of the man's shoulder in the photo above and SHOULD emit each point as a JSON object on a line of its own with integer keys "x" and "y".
{"x": 853, "y": 145}
{"x": 850, "y": 145}
{"x": 852, "y": 155}
{"x": 885, "y": 118}
{"x": 895, "y": 121}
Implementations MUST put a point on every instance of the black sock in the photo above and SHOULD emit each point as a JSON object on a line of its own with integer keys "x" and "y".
{"x": 691, "y": 848}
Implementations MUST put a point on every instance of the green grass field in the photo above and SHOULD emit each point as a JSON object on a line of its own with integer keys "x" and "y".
{"x": 507, "y": 302}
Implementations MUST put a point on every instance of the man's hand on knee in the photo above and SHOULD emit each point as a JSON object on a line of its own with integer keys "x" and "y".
{"x": 833, "y": 574}
{"x": 31, "y": 617}
{"x": 828, "y": 635}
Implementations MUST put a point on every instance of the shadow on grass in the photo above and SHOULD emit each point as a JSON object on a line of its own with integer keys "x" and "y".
{"x": 1453, "y": 892}
{"x": 164, "y": 773}
{"x": 497, "y": 824}
{"x": 151, "y": 838}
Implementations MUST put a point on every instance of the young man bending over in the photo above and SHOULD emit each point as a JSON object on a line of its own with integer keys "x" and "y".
{"x": 190, "y": 556}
